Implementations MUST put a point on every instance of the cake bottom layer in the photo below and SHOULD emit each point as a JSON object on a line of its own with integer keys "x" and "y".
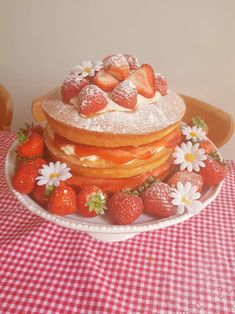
{"x": 113, "y": 185}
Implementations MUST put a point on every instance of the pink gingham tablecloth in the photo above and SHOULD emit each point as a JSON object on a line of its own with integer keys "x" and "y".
{"x": 187, "y": 268}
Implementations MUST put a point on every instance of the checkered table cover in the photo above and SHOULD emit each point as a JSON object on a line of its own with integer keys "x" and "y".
{"x": 187, "y": 268}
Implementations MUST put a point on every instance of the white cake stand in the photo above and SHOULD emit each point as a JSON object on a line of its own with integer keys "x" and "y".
{"x": 99, "y": 227}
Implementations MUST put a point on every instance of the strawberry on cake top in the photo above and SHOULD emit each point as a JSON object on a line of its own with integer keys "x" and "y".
{"x": 116, "y": 96}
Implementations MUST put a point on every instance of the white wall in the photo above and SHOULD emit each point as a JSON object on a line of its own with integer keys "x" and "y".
{"x": 191, "y": 42}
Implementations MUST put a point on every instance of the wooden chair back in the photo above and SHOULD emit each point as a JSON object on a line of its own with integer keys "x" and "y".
{"x": 6, "y": 109}
{"x": 220, "y": 123}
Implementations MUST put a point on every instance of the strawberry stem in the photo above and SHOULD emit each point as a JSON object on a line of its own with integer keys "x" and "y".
{"x": 21, "y": 135}
{"x": 49, "y": 190}
{"x": 214, "y": 154}
{"x": 143, "y": 187}
{"x": 199, "y": 122}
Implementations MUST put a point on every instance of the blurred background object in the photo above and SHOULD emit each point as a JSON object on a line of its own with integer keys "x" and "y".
{"x": 6, "y": 109}
{"x": 213, "y": 116}
{"x": 190, "y": 42}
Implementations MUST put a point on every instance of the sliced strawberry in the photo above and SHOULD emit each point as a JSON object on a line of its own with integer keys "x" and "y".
{"x": 105, "y": 81}
{"x": 123, "y": 154}
{"x": 117, "y": 66}
{"x": 144, "y": 80}
{"x": 91, "y": 99}
{"x": 72, "y": 86}
{"x": 132, "y": 61}
{"x": 125, "y": 94}
{"x": 161, "y": 84}
{"x": 107, "y": 185}
{"x": 112, "y": 185}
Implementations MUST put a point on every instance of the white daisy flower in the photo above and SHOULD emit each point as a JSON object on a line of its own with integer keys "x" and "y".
{"x": 189, "y": 156}
{"x": 193, "y": 133}
{"x": 185, "y": 197}
{"x": 52, "y": 174}
{"x": 97, "y": 65}
{"x": 87, "y": 68}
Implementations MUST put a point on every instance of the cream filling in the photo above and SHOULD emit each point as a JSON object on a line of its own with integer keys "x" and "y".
{"x": 113, "y": 106}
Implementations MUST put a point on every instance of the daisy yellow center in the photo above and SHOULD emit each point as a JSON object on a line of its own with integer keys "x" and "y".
{"x": 54, "y": 175}
{"x": 87, "y": 69}
{"x": 189, "y": 157}
{"x": 193, "y": 134}
{"x": 186, "y": 201}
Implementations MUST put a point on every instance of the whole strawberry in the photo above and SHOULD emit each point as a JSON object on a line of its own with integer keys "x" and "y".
{"x": 117, "y": 66}
{"x": 161, "y": 84}
{"x": 37, "y": 162}
{"x": 30, "y": 146}
{"x": 157, "y": 200}
{"x": 30, "y": 128}
{"x": 72, "y": 86}
{"x": 214, "y": 171}
{"x": 125, "y": 94}
{"x": 23, "y": 180}
{"x": 185, "y": 176}
{"x": 124, "y": 208}
{"x": 207, "y": 146}
{"x": 90, "y": 100}
{"x": 63, "y": 201}
{"x": 91, "y": 201}
{"x": 41, "y": 194}
{"x": 132, "y": 61}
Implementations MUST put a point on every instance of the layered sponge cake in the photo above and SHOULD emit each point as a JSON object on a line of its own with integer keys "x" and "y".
{"x": 114, "y": 123}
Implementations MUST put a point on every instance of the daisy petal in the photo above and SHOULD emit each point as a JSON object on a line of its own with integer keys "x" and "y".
{"x": 180, "y": 209}
{"x": 195, "y": 207}
{"x": 196, "y": 196}
{"x": 187, "y": 187}
{"x": 176, "y": 201}
{"x": 195, "y": 167}
{"x": 189, "y": 167}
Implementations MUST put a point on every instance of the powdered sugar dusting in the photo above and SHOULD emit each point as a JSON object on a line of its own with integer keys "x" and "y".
{"x": 91, "y": 99}
{"x": 125, "y": 94}
{"x": 146, "y": 118}
{"x": 126, "y": 88}
{"x": 118, "y": 60}
{"x": 74, "y": 78}
{"x": 132, "y": 61}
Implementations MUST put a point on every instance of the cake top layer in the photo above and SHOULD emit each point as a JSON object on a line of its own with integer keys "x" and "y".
{"x": 146, "y": 118}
